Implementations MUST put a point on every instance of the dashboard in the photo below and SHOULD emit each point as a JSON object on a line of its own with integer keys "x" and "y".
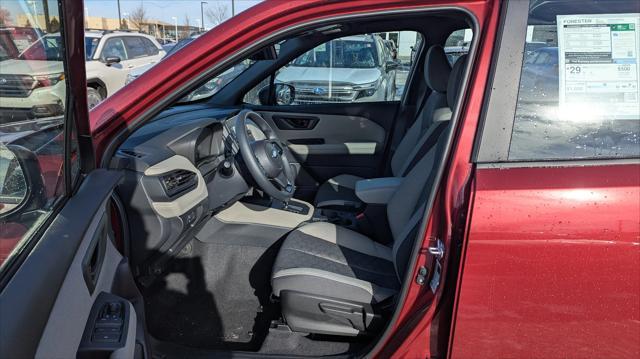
{"x": 179, "y": 169}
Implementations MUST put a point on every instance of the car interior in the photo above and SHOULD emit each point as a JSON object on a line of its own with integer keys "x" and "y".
{"x": 278, "y": 228}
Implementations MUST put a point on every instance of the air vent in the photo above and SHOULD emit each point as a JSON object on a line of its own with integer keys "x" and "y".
{"x": 132, "y": 153}
{"x": 178, "y": 181}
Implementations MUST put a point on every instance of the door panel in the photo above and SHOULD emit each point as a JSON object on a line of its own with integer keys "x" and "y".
{"x": 46, "y": 304}
{"x": 552, "y": 258}
{"x": 332, "y": 139}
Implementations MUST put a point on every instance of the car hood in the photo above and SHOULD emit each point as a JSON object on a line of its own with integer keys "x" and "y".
{"x": 140, "y": 70}
{"x": 299, "y": 74}
{"x": 30, "y": 67}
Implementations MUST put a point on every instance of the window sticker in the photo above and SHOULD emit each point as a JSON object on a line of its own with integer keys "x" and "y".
{"x": 598, "y": 67}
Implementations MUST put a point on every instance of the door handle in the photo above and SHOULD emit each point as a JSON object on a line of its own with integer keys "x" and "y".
{"x": 296, "y": 122}
{"x": 93, "y": 259}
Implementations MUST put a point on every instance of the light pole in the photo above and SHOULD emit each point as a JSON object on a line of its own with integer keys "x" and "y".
{"x": 176, "y": 20}
{"x": 119, "y": 17}
{"x": 202, "y": 3}
{"x": 35, "y": 12}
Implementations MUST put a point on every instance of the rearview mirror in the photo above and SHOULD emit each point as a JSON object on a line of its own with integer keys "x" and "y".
{"x": 112, "y": 60}
{"x": 266, "y": 53}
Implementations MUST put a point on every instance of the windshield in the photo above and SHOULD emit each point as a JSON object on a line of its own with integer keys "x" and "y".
{"x": 214, "y": 85}
{"x": 48, "y": 48}
{"x": 340, "y": 53}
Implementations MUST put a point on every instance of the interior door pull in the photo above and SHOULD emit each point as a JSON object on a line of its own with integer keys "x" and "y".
{"x": 296, "y": 122}
{"x": 93, "y": 259}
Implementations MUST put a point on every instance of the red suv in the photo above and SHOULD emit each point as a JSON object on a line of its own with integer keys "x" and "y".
{"x": 490, "y": 210}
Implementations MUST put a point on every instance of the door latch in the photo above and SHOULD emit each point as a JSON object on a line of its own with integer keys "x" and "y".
{"x": 437, "y": 250}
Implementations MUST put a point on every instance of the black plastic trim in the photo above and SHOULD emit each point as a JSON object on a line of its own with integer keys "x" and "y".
{"x": 27, "y": 300}
{"x": 497, "y": 120}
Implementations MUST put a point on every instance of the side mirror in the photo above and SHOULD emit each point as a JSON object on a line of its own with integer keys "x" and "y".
{"x": 110, "y": 60}
{"x": 284, "y": 94}
{"x": 390, "y": 66}
{"x": 21, "y": 185}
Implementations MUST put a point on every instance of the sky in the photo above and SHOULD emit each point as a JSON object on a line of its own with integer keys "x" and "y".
{"x": 162, "y": 10}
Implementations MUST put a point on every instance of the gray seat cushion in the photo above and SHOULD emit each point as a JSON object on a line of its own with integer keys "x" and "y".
{"x": 327, "y": 260}
{"x": 339, "y": 191}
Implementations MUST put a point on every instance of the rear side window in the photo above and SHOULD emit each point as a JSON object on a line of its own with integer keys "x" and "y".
{"x": 135, "y": 47}
{"x": 152, "y": 50}
{"x": 457, "y": 44}
{"x": 579, "y": 93}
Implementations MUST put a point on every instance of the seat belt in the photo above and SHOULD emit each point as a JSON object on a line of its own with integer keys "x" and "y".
{"x": 400, "y": 127}
{"x": 412, "y": 227}
{"x": 425, "y": 143}
{"x": 410, "y": 231}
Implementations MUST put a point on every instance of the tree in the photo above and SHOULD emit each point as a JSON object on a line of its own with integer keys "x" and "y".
{"x": 187, "y": 25}
{"x": 217, "y": 14}
{"x": 54, "y": 25}
{"x": 138, "y": 17}
{"x": 5, "y": 17}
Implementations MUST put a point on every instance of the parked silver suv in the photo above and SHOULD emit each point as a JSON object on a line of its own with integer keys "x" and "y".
{"x": 31, "y": 85}
{"x": 350, "y": 69}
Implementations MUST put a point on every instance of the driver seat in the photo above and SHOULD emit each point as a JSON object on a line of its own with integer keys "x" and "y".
{"x": 332, "y": 280}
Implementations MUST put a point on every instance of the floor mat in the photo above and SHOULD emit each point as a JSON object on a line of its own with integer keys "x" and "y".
{"x": 216, "y": 298}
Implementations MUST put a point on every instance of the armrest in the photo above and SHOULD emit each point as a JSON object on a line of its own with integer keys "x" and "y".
{"x": 377, "y": 190}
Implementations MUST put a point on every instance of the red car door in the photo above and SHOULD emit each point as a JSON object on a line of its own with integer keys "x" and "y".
{"x": 551, "y": 262}
{"x": 62, "y": 290}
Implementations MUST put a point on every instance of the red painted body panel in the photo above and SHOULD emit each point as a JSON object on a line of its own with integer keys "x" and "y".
{"x": 552, "y": 265}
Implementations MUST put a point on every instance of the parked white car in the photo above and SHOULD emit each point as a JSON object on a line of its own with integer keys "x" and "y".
{"x": 31, "y": 86}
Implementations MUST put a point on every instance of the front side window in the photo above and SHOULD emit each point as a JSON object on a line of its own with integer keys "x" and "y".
{"x": 33, "y": 89}
{"x": 579, "y": 94}
{"x": 357, "y": 68}
{"x": 114, "y": 47}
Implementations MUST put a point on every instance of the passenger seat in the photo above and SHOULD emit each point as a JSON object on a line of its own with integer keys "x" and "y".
{"x": 339, "y": 191}
{"x": 332, "y": 280}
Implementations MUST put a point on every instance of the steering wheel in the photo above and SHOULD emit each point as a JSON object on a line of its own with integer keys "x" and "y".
{"x": 266, "y": 159}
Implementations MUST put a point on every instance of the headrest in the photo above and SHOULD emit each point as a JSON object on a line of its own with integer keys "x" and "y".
{"x": 436, "y": 69}
{"x": 455, "y": 80}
